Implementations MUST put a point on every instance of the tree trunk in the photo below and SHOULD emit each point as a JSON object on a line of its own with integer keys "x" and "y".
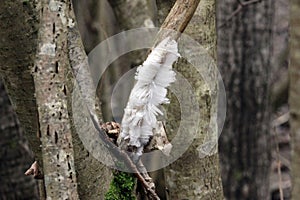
{"x": 19, "y": 22}
{"x": 50, "y": 79}
{"x": 294, "y": 96}
{"x": 192, "y": 177}
{"x": 244, "y": 50}
{"x": 17, "y": 51}
{"x": 15, "y": 156}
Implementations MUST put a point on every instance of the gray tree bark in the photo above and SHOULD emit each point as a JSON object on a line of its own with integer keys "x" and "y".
{"x": 17, "y": 51}
{"x": 244, "y": 50}
{"x": 50, "y": 74}
{"x": 19, "y": 28}
{"x": 192, "y": 177}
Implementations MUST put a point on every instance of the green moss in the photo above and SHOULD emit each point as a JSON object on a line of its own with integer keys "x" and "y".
{"x": 121, "y": 187}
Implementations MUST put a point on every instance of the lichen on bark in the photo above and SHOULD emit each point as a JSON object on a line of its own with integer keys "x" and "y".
{"x": 49, "y": 72}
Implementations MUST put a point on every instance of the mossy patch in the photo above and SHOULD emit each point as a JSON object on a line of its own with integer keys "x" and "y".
{"x": 121, "y": 187}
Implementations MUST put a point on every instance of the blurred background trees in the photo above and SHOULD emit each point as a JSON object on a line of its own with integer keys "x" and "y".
{"x": 252, "y": 58}
{"x": 244, "y": 56}
{"x": 15, "y": 155}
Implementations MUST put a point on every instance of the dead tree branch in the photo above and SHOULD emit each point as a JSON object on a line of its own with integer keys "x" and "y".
{"x": 34, "y": 170}
{"x": 278, "y": 165}
{"x": 178, "y": 19}
{"x": 123, "y": 155}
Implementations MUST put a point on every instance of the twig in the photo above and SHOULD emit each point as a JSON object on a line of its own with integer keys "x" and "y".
{"x": 139, "y": 176}
{"x": 177, "y": 19}
{"x": 180, "y": 15}
{"x": 245, "y": 3}
{"x": 281, "y": 120}
{"x": 241, "y": 5}
{"x": 124, "y": 156}
{"x": 278, "y": 164}
{"x": 34, "y": 170}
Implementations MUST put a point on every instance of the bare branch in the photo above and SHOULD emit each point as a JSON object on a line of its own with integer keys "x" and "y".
{"x": 278, "y": 166}
{"x": 245, "y": 3}
{"x": 178, "y": 18}
{"x": 34, "y": 170}
{"x": 123, "y": 155}
{"x": 180, "y": 15}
